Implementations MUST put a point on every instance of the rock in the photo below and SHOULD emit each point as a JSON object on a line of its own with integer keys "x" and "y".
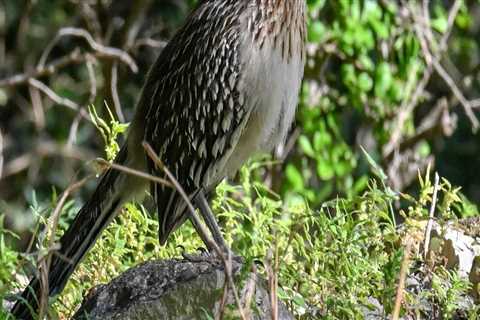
{"x": 475, "y": 278}
{"x": 458, "y": 248}
{"x": 170, "y": 289}
{"x": 373, "y": 310}
{"x": 461, "y": 249}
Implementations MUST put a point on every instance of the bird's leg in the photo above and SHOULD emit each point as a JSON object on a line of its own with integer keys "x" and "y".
{"x": 204, "y": 237}
{"x": 211, "y": 222}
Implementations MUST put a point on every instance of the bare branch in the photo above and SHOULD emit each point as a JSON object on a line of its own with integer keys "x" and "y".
{"x": 407, "y": 107}
{"x": 134, "y": 172}
{"x": 114, "y": 92}
{"x": 1, "y": 154}
{"x": 51, "y": 229}
{"x": 149, "y": 42}
{"x": 250, "y": 291}
{"x": 72, "y": 135}
{"x": 467, "y": 106}
{"x": 44, "y": 149}
{"x": 437, "y": 120}
{"x": 475, "y": 103}
{"x": 428, "y": 229}
{"x": 74, "y": 57}
{"x": 102, "y": 51}
{"x": 58, "y": 99}
{"x": 37, "y": 106}
{"x": 401, "y": 280}
{"x": 92, "y": 78}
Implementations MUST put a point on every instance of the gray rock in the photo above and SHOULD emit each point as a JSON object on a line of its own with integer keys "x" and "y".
{"x": 459, "y": 248}
{"x": 373, "y": 310}
{"x": 171, "y": 289}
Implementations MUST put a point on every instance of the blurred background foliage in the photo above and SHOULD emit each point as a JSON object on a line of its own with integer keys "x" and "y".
{"x": 398, "y": 79}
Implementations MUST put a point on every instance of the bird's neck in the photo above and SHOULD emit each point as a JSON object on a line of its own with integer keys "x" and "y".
{"x": 279, "y": 21}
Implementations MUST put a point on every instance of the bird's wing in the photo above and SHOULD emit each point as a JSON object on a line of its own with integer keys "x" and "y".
{"x": 195, "y": 112}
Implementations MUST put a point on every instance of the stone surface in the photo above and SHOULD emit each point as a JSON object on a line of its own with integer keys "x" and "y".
{"x": 460, "y": 246}
{"x": 171, "y": 289}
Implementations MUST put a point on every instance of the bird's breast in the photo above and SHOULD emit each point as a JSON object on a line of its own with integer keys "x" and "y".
{"x": 270, "y": 84}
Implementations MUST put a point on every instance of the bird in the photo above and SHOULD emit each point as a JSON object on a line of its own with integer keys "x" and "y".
{"x": 224, "y": 88}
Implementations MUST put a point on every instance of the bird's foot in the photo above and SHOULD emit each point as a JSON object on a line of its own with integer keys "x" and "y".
{"x": 204, "y": 256}
{"x": 212, "y": 257}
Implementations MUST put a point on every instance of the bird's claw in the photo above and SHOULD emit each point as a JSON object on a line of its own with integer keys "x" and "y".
{"x": 211, "y": 257}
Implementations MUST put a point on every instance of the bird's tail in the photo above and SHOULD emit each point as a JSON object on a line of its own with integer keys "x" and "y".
{"x": 92, "y": 218}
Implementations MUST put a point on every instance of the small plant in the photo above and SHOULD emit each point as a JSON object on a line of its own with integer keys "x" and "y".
{"x": 448, "y": 289}
{"x": 109, "y": 132}
{"x": 331, "y": 262}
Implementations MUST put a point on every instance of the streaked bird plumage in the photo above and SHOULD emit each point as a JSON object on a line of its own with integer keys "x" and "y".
{"x": 225, "y": 87}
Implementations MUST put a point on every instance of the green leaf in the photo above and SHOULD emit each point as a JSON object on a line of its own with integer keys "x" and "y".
{"x": 325, "y": 170}
{"x": 306, "y": 146}
{"x": 365, "y": 82}
{"x": 294, "y": 177}
{"x": 376, "y": 169}
{"x": 316, "y": 32}
{"x": 383, "y": 79}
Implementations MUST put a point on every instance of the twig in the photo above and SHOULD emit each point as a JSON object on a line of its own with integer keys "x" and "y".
{"x": 427, "y": 43}
{"x": 227, "y": 264}
{"x": 475, "y": 103}
{"x": 53, "y": 96}
{"x": 223, "y": 302}
{"x": 58, "y": 208}
{"x": 438, "y": 119}
{"x": 58, "y": 99}
{"x": 428, "y": 229}
{"x": 1, "y": 154}
{"x": 52, "y": 227}
{"x": 458, "y": 94}
{"x": 91, "y": 18}
{"x": 149, "y": 42}
{"x": 250, "y": 291}
{"x": 37, "y": 107}
{"x": 90, "y": 62}
{"x": 401, "y": 280}
{"x": 287, "y": 147}
{"x": 272, "y": 281}
{"x": 17, "y": 165}
{"x": 133, "y": 22}
{"x": 452, "y": 15}
{"x": 103, "y": 51}
{"x": 275, "y": 283}
{"x": 43, "y": 149}
{"x": 74, "y": 57}
{"x": 134, "y": 172}
{"x": 23, "y": 25}
{"x": 72, "y": 135}
{"x": 3, "y": 31}
{"x": 114, "y": 92}
{"x": 44, "y": 288}
{"x": 408, "y": 106}
{"x": 405, "y": 112}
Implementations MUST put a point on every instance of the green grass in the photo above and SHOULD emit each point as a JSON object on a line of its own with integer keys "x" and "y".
{"x": 334, "y": 260}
